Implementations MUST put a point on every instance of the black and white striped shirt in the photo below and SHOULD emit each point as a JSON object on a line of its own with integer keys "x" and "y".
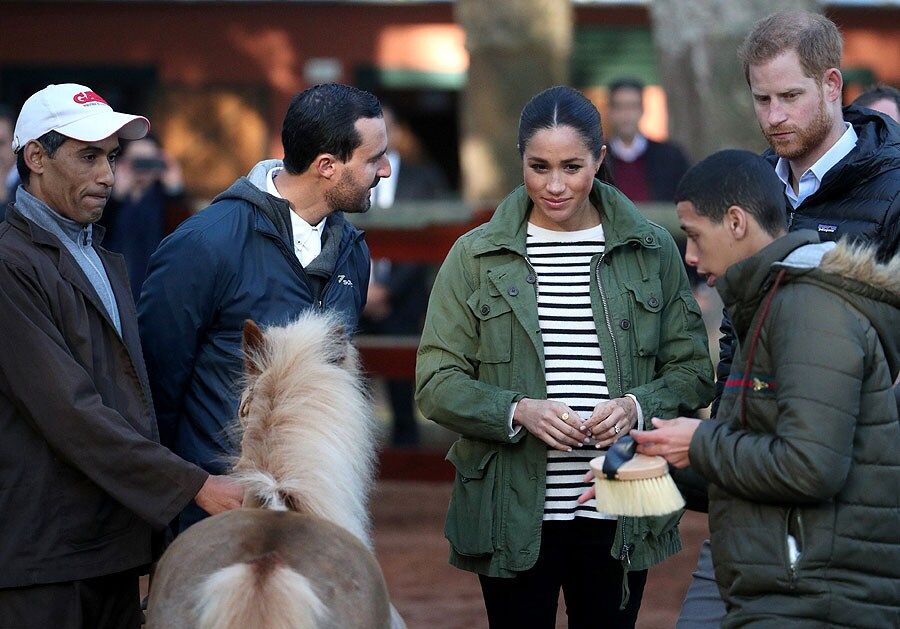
{"x": 572, "y": 361}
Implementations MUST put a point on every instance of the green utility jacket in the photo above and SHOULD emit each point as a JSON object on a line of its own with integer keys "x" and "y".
{"x": 818, "y": 456}
{"x": 481, "y": 351}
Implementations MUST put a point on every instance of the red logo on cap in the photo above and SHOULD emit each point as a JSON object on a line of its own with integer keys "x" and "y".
{"x": 83, "y": 98}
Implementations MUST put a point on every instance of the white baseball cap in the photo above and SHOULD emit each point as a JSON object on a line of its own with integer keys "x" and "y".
{"x": 76, "y": 112}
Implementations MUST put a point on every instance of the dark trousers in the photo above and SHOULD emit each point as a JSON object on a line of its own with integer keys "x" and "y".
{"x": 108, "y": 602}
{"x": 575, "y": 557}
{"x": 405, "y": 431}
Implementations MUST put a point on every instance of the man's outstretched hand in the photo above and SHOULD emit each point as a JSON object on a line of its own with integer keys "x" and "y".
{"x": 218, "y": 494}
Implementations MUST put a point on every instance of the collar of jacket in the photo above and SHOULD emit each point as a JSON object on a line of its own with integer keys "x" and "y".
{"x": 272, "y": 218}
{"x": 622, "y": 223}
{"x": 877, "y": 150}
{"x": 743, "y": 285}
{"x": 71, "y": 272}
{"x": 41, "y": 236}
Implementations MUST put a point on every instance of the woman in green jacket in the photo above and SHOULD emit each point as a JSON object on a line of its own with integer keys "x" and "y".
{"x": 552, "y": 331}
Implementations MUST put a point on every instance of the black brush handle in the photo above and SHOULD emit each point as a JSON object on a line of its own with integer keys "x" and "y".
{"x": 618, "y": 454}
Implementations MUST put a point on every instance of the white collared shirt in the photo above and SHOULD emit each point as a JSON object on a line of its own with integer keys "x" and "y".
{"x": 628, "y": 153}
{"x": 812, "y": 178}
{"x": 307, "y": 238}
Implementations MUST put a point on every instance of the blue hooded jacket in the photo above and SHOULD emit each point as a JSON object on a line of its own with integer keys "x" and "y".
{"x": 232, "y": 262}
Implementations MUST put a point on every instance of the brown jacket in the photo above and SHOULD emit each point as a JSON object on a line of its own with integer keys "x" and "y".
{"x": 83, "y": 479}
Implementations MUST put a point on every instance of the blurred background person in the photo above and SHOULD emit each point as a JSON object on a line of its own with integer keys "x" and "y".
{"x": 9, "y": 176}
{"x": 147, "y": 204}
{"x": 398, "y": 291}
{"x": 643, "y": 169}
{"x": 883, "y": 98}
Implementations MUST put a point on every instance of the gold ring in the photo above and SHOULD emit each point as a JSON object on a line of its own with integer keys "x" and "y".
{"x": 564, "y": 416}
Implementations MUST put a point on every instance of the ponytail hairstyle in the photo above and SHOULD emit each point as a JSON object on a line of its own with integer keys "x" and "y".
{"x": 563, "y": 106}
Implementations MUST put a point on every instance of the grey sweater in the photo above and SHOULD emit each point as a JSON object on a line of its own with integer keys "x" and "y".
{"x": 78, "y": 241}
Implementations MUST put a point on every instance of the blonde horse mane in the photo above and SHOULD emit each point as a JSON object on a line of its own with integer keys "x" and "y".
{"x": 306, "y": 423}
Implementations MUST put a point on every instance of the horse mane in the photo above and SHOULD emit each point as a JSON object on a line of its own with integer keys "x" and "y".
{"x": 307, "y": 424}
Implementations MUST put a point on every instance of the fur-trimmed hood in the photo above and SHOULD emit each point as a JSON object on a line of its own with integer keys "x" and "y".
{"x": 857, "y": 262}
{"x": 853, "y": 272}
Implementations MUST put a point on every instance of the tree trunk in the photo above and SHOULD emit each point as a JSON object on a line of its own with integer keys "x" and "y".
{"x": 516, "y": 49}
{"x": 709, "y": 102}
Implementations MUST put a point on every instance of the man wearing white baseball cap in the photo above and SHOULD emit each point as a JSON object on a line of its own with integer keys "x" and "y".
{"x": 83, "y": 478}
{"x": 76, "y": 112}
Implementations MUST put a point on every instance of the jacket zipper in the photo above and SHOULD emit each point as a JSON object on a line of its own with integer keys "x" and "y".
{"x": 625, "y": 554}
{"x": 799, "y": 544}
{"x": 609, "y": 323}
{"x": 342, "y": 257}
{"x": 291, "y": 256}
{"x": 318, "y": 301}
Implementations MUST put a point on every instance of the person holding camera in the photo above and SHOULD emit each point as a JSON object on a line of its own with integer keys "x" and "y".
{"x": 147, "y": 204}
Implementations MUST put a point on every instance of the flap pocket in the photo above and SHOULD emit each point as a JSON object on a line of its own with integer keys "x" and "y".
{"x": 495, "y": 322}
{"x": 486, "y": 306}
{"x": 470, "y": 457}
{"x": 648, "y": 294}
{"x": 470, "y": 518}
{"x": 646, "y": 304}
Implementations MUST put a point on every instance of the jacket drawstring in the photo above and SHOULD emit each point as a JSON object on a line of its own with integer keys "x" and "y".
{"x": 626, "y": 591}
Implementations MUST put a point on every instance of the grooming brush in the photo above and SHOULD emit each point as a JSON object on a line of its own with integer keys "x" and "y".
{"x": 634, "y": 484}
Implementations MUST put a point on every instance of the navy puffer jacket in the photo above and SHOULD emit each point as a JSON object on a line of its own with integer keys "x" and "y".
{"x": 860, "y": 195}
{"x": 231, "y": 262}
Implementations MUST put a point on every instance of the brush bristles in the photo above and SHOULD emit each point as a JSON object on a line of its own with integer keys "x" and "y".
{"x": 651, "y": 496}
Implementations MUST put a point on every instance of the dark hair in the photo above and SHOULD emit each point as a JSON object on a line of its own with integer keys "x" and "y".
{"x": 563, "y": 106}
{"x": 320, "y": 120}
{"x": 877, "y": 93}
{"x": 51, "y": 141}
{"x": 815, "y": 38}
{"x": 734, "y": 177}
{"x": 625, "y": 83}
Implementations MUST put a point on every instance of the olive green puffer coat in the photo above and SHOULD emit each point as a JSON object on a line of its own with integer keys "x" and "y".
{"x": 818, "y": 458}
{"x": 481, "y": 351}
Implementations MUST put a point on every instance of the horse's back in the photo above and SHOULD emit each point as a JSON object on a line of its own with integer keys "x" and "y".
{"x": 343, "y": 573}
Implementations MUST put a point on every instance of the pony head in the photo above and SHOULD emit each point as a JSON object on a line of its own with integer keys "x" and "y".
{"x": 306, "y": 424}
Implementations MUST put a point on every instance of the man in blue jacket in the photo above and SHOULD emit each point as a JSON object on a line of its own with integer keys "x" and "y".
{"x": 271, "y": 246}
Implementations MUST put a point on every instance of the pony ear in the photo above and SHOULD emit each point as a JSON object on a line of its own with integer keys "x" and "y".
{"x": 254, "y": 342}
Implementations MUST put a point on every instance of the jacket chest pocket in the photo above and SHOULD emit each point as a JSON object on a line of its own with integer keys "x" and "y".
{"x": 495, "y": 321}
{"x": 470, "y": 519}
{"x": 646, "y": 302}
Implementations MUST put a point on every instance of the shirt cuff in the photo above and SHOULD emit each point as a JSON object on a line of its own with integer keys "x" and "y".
{"x": 640, "y": 413}
{"x": 512, "y": 432}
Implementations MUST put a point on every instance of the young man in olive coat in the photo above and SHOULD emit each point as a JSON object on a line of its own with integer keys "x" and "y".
{"x": 803, "y": 458}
